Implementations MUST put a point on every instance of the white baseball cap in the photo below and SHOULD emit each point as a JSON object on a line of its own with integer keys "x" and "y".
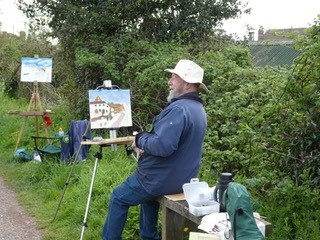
{"x": 190, "y": 72}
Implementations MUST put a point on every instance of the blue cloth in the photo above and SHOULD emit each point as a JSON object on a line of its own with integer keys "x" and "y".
{"x": 171, "y": 157}
{"x": 71, "y": 142}
{"x": 131, "y": 193}
{"x": 173, "y": 148}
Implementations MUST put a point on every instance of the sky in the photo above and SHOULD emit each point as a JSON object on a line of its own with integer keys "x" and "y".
{"x": 270, "y": 14}
{"x": 11, "y": 18}
{"x": 275, "y": 14}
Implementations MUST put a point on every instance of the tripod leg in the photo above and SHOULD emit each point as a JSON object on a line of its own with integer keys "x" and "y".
{"x": 64, "y": 190}
{"x": 74, "y": 161}
{"x": 84, "y": 225}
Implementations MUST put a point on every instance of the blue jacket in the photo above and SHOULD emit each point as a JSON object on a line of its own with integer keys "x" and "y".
{"x": 172, "y": 150}
{"x": 73, "y": 148}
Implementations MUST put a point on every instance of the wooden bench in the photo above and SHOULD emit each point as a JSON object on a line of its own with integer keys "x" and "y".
{"x": 177, "y": 221}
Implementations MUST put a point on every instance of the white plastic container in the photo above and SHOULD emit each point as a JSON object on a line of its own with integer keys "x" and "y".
{"x": 200, "y": 198}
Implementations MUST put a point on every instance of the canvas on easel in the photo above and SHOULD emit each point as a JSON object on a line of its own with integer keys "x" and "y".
{"x": 36, "y": 69}
{"x": 110, "y": 109}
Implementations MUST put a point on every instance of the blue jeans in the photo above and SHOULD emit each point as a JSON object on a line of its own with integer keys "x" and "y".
{"x": 131, "y": 193}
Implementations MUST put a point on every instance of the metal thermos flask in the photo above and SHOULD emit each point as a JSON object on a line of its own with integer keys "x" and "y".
{"x": 224, "y": 180}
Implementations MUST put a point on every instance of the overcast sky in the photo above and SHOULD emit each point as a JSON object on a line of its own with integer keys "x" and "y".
{"x": 11, "y": 18}
{"x": 270, "y": 14}
{"x": 275, "y": 14}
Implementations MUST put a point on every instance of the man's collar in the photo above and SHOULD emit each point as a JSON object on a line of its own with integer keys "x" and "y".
{"x": 190, "y": 95}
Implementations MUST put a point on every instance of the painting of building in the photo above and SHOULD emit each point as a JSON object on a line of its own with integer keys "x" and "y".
{"x": 110, "y": 109}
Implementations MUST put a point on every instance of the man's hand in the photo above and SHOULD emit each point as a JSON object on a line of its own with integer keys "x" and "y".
{"x": 137, "y": 150}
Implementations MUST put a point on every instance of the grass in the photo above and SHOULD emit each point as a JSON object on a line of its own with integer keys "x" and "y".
{"x": 39, "y": 186}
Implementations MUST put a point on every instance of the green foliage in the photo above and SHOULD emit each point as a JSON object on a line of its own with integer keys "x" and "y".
{"x": 185, "y": 20}
{"x": 12, "y": 49}
{"x": 264, "y": 120}
{"x": 293, "y": 210}
{"x": 236, "y": 118}
{"x": 240, "y": 55}
{"x": 149, "y": 82}
{"x": 139, "y": 64}
{"x": 263, "y": 125}
{"x": 300, "y": 133}
{"x": 100, "y": 40}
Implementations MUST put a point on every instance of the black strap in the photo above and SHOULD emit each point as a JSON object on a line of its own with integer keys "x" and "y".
{"x": 237, "y": 211}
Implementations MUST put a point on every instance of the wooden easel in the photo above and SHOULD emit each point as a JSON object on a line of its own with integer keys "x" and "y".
{"x": 34, "y": 109}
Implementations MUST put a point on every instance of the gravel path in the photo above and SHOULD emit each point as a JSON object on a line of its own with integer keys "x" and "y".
{"x": 15, "y": 223}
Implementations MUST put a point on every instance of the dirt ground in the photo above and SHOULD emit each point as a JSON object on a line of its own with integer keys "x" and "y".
{"x": 15, "y": 222}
